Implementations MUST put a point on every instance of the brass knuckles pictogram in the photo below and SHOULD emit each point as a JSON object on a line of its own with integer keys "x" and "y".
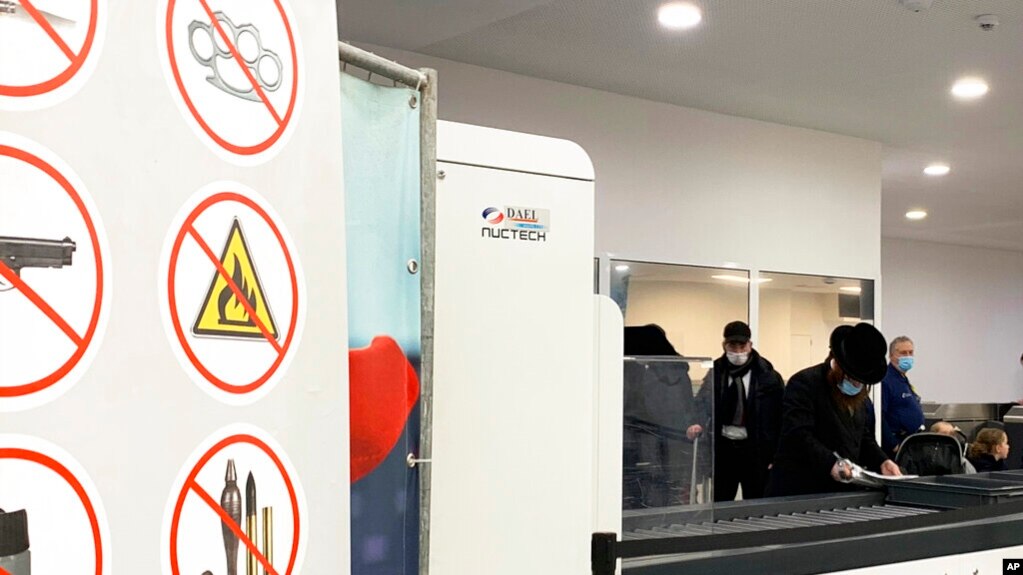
{"x": 8, "y": 7}
{"x": 234, "y": 33}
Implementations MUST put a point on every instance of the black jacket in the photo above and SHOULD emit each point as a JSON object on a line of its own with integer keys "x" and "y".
{"x": 814, "y": 428}
{"x": 763, "y": 406}
{"x": 987, "y": 462}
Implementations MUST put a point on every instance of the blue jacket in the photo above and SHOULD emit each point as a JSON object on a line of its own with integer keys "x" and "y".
{"x": 901, "y": 412}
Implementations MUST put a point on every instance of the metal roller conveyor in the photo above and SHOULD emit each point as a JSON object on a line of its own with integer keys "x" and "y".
{"x": 797, "y": 521}
{"x": 735, "y": 524}
{"x": 685, "y": 530}
{"x": 730, "y": 527}
{"x": 652, "y": 533}
{"x": 918, "y": 517}
{"x": 779, "y": 522}
{"x": 819, "y": 519}
{"x": 756, "y": 523}
{"x": 767, "y": 515}
{"x": 854, "y": 514}
{"x": 900, "y": 511}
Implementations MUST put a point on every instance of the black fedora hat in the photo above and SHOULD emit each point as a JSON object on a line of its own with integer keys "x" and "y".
{"x": 860, "y": 352}
{"x": 647, "y": 339}
{"x": 837, "y": 335}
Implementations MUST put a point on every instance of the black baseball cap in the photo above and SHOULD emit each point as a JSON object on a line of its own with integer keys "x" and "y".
{"x": 737, "y": 332}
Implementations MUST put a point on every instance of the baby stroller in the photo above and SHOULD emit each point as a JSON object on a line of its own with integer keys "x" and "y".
{"x": 931, "y": 454}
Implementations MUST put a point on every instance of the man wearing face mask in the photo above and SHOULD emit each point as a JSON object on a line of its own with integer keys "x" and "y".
{"x": 901, "y": 412}
{"x": 824, "y": 417}
{"x": 747, "y": 415}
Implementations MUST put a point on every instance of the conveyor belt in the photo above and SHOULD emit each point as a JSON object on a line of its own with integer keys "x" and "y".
{"x": 781, "y": 521}
{"x": 776, "y": 535}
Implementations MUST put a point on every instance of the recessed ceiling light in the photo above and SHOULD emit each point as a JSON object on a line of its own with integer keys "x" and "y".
{"x": 969, "y": 88}
{"x": 916, "y": 215}
{"x": 937, "y": 170}
{"x": 679, "y": 15}
{"x": 738, "y": 279}
{"x": 851, "y": 289}
{"x": 621, "y": 268}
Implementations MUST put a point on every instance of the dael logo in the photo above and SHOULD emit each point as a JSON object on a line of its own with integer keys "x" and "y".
{"x": 493, "y": 216}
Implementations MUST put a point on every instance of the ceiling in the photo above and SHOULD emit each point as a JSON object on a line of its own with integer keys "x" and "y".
{"x": 864, "y": 68}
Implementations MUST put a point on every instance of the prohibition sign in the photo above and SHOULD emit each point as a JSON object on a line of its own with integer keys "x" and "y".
{"x": 48, "y": 50}
{"x": 66, "y": 524}
{"x": 197, "y": 523}
{"x": 53, "y": 275}
{"x": 234, "y": 66}
{"x": 196, "y": 275}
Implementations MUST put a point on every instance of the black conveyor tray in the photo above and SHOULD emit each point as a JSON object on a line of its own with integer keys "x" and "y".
{"x": 954, "y": 491}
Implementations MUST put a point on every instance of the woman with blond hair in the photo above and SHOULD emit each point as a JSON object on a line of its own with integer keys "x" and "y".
{"x": 989, "y": 451}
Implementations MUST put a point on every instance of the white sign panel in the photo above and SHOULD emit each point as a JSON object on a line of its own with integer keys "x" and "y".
{"x": 48, "y": 49}
{"x": 236, "y": 507}
{"x": 53, "y": 520}
{"x": 163, "y": 231}
{"x": 232, "y": 293}
{"x": 54, "y": 275}
{"x": 234, "y": 66}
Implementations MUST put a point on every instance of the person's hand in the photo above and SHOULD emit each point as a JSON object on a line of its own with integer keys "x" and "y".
{"x": 693, "y": 431}
{"x": 890, "y": 469}
{"x": 840, "y": 472}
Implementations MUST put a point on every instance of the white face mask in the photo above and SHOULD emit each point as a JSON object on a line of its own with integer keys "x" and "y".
{"x": 737, "y": 358}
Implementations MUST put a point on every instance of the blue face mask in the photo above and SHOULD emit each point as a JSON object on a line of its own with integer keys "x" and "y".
{"x": 905, "y": 364}
{"x": 849, "y": 388}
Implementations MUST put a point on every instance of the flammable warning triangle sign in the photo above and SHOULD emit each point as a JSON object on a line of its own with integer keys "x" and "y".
{"x": 222, "y": 313}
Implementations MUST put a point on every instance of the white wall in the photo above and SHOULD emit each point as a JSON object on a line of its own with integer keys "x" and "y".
{"x": 680, "y": 185}
{"x": 963, "y": 307}
{"x": 795, "y": 328}
{"x": 692, "y": 314}
{"x": 685, "y": 186}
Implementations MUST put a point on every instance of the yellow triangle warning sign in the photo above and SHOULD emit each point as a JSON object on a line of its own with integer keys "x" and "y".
{"x": 223, "y": 313}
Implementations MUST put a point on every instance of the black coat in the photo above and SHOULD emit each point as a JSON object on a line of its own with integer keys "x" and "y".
{"x": 814, "y": 428}
{"x": 987, "y": 462}
{"x": 763, "y": 407}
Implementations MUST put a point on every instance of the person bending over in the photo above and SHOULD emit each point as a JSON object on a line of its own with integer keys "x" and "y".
{"x": 824, "y": 417}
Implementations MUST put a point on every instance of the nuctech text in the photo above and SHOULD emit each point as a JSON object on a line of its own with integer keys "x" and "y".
{"x": 510, "y": 234}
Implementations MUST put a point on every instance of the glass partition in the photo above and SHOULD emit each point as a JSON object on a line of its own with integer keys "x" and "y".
{"x": 674, "y": 318}
{"x": 692, "y": 304}
{"x": 799, "y": 312}
{"x": 666, "y": 464}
